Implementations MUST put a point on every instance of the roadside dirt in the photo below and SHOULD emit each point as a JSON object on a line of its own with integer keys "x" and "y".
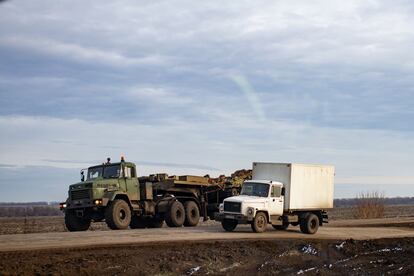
{"x": 250, "y": 257}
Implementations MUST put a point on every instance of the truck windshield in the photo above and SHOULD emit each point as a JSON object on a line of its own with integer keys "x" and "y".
{"x": 255, "y": 189}
{"x": 105, "y": 172}
{"x": 112, "y": 171}
{"x": 95, "y": 172}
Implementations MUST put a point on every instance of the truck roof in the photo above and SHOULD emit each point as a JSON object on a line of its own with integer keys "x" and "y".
{"x": 264, "y": 182}
{"x": 112, "y": 164}
{"x": 297, "y": 164}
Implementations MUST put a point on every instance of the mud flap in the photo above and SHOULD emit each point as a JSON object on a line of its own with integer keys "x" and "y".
{"x": 324, "y": 215}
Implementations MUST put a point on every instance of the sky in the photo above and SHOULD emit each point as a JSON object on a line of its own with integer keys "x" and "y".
{"x": 190, "y": 87}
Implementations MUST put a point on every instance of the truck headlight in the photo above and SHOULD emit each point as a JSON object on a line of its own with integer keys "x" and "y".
{"x": 250, "y": 211}
{"x": 98, "y": 201}
{"x": 221, "y": 208}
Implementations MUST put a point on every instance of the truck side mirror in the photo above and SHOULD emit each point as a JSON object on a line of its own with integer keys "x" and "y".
{"x": 283, "y": 191}
{"x": 82, "y": 176}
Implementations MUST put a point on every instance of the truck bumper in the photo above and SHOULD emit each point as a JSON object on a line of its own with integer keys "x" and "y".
{"x": 86, "y": 203}
{"x": 239, "y": 217}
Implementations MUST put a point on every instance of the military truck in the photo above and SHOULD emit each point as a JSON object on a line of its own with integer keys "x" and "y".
{"x": 112, "y": 192}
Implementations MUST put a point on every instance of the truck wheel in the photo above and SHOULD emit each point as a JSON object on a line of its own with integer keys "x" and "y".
{"x": 229, "y": 224}
{"x": 75, "y": 223}
{"x": 118, "y": 215}
{"x": 176, "y": 215}
{"x": 309, "y": 224}
{"x": 259, "y": 222}
{"x": 138, "y": 222}
{"x": 155, "y": 222}
{"x": 284, "y": 226}
{"x": 192, "y": 214}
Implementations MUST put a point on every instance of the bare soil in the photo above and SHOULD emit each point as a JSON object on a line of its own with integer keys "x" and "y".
{"x": 261, "y": 257}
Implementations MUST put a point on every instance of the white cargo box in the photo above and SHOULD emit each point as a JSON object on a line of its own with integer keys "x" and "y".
{"x": 307, "y": 187}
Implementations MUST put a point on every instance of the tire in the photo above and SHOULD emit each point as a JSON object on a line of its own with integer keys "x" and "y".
{"x": 118, "y": 215}
{"x": 284, "y": 226}
{"x": 74, "y": 223}
{"x": 192, "y": 214}
{"x": 138, "y": 223}
{"x": 259, "y": 222}
{"x": 155, "y": 222}
{"x": 175, "y": 216}
{"x": 229, "y": 224}
{"x": 309, "y": 224}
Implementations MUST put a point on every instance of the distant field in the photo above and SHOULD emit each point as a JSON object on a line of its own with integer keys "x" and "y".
{"x": 391, "y": 211}
{"x": 39, "y": 224}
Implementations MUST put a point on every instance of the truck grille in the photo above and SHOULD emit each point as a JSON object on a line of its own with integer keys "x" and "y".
{"x": 234, "y": 207}
{"x": 79, "y": 194}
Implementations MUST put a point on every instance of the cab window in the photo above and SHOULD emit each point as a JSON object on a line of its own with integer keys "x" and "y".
{"x": 128, "y": 172}
{"x": 276, "y": 191}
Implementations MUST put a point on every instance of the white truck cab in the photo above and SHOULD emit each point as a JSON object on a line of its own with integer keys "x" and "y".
{"x": 263, "y": 197}
{"x": 293, "y": 194}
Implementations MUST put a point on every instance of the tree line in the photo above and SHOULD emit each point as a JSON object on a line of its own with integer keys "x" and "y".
{"x": 347, "y": 202}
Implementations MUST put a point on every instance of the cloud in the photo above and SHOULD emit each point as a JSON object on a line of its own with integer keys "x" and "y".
{"x": 351, "y": 150}
{"x": 7, "y": 166}
{"x": 209, "y": 84}
{"x": 378, "y": 180}
{"x": 80, "y": 53}
{"x": 44, "y": 183}
{"x": 158, "y": 95}
{"x": 138, "y": 162}
{"x": 344, "y": 65}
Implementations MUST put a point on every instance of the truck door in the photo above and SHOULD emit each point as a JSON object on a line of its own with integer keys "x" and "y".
{"x": 131, "y": 182}
{"x": 276, "y": 201}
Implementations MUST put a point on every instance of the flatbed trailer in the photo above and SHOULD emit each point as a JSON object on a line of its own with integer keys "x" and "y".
{"x": 206, "y": 195}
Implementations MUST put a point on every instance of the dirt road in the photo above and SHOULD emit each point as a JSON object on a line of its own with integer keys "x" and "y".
{"x": 339, "y": 230}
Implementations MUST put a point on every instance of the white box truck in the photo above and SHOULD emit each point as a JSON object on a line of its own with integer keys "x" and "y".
{"x": 281, "y": 194}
